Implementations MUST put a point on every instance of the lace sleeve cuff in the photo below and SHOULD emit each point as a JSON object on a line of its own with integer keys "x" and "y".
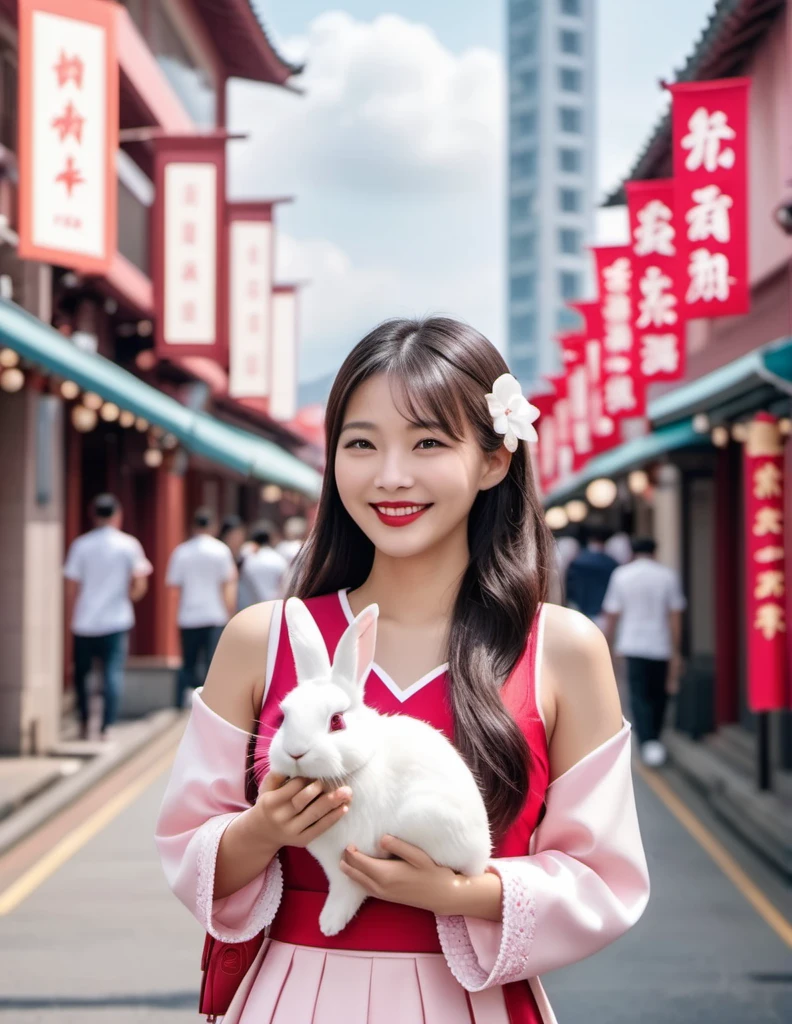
{"x": 245, "y": 913}
{"x": 482, "y": 954}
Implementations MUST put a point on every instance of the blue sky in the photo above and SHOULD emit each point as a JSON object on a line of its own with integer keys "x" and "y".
{"x": 396, "y": 152}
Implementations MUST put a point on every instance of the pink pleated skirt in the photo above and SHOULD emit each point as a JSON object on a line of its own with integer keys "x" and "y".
{"x": 306, "y": 985}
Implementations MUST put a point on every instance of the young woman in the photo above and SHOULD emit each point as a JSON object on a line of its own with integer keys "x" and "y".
{"x": 428, "y": 509}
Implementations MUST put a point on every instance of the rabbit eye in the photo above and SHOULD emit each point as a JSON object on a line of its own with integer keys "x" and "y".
{"x": 337, "y": 723}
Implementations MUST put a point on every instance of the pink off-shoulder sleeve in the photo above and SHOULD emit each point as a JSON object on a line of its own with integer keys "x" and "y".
{"x": 584, "y": 884}
{"x": 205, "y": 793}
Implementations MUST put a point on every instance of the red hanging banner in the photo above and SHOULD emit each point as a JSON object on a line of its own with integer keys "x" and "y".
{"x": 565, "y": 455}
{"x": 710, "y": 152}
{"x": 604, "y": 432}
{"x": 68, "y": 133}
{"x": 547, "y": 461}
{"x": 573, "y": 348}
{"x": 189, "y": 247}
{"x": 624, "y": 394}
{"x": 764, "y": 577}
{"x": 656, "y": 293}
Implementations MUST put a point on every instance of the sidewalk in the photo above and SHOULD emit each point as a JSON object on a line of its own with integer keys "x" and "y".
{"x": 34, "y": 789}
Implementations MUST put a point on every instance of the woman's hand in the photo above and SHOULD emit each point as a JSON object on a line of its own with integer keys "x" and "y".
{"x": 414, "y": 879}
{"x": 294, "y": 812}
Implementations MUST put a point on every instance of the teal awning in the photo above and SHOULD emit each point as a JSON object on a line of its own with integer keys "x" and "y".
{"x": 627, "y": 456}
{"x": 252, "y": 456}
{"x": 745, "y": 384}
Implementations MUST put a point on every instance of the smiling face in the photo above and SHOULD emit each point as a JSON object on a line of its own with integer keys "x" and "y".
{"x": 408, "y": 485}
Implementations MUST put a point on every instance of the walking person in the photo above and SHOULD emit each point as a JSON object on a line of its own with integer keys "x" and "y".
{"x": 644, "y": 606}
{"x": 106, "y": 574}
{"x": 264, "y": 568}
{"x": 588, "y": 575}
{"x": 293, "y": 538}
{"x": 204, "y": 572}
{"x": 429, "y": 525}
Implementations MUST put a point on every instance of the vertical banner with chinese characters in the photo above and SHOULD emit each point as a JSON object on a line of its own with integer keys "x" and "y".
{"x": 657, "y": 306}
{"x": 573, "y": 348}
{"x": 565, "y": 454}
{"x": 624, "y": 394}
{"x": 710, "y": 140}
{"x": 604, "y": 433}
{"x": 765, "y": 599}
{"x": 285, "y": 338}
{"x": 188, "y": 247}
{"x": 68, "y": 133}
{"x": 250, "y": 270}
{"x": 547, "y": 456}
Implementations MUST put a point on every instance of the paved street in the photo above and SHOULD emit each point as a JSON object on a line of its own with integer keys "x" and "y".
{"x": 103, "y": 941}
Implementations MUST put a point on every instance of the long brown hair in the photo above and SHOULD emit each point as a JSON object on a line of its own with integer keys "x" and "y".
{"x": 445, "y": 369}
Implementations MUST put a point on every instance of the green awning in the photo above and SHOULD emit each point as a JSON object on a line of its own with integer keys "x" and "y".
{"x": 627, "y": 456}
{"x": 746, "y": 384}
{"x": 238, "y": 450}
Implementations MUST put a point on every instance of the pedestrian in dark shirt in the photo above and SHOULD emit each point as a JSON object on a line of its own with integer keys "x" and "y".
{"x": 589, "y": 573}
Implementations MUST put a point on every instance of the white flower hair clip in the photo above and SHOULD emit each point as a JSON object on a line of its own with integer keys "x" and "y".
{"x": 512, "y": 413}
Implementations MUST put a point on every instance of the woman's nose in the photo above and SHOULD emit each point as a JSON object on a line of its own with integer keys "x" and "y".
{"x": 393, "y": 473}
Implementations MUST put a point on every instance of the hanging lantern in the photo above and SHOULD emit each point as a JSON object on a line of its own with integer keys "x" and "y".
{"x": 92, "y": 401}
{"x": 152, "y": 457}
{"x": 638, "y": 481}
{"x": 701, "y": 423}
{"x": 12, "y": 380}
{"x": 69, "y": 390}
{"x": 8, "y": 358}
{"x": 109, "y": 412}
{"x": 271, "y": 493}
{"x": 556, "y": 518}
{"x": 127, "y": 419}
{"x": 83, "y": 420}
{"x": 601, "y": 493}
{"x": 720, "y": 437}
{"x": 141, "y": 424}
{"x": 576, "y": 510}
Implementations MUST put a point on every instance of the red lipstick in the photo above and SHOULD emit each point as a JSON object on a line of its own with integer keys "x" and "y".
{"x": 398, "y": 517}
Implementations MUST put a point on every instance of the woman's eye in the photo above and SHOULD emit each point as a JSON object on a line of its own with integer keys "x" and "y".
{"x": 337, "y": 723}
{"x": 360, "y": 443}
{"x": 429, "y": 443}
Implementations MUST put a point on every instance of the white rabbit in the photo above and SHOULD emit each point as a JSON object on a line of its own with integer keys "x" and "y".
{"x": 407, "y": 779}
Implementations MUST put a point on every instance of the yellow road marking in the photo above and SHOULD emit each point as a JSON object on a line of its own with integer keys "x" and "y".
{"x": 728, "y": 865}
{"x": 78, "y": 837}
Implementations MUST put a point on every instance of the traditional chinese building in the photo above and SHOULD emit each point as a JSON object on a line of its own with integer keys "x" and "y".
{"x": 95, "y": 392}
{"x": 718, "y": 503}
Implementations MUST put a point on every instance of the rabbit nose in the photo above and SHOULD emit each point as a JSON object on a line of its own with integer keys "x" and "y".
{"x": 297, "y": 756}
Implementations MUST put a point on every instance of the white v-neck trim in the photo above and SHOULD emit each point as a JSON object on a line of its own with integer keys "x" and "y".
{"x": 400, "y": 694}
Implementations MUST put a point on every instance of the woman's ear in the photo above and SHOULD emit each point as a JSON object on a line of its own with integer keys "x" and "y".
{"x": 496, "y": 467}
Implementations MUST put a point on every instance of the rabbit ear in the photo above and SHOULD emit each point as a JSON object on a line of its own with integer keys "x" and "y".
{"x": 355, "y": 652}
{"x": 307, "y": 643}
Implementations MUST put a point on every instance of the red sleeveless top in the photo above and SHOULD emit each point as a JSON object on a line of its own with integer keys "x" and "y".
{"x": 380, "y": 925}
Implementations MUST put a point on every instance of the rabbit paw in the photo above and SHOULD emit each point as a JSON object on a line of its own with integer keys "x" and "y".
{"x": 339, "y": 909}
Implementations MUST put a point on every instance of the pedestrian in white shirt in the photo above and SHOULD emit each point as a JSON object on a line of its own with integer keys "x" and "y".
{"x": 204, "y": 571}
{"x": 293, "y": 538}
{"x": 106, "y": 573}
{"x": 264, "y": 569}
{"x": 645, "y": 601}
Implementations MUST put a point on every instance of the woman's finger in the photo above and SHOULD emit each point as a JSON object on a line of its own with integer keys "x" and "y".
{"x": 308, "y": 793}
{"x": 272, "y": 781}
{"x": 363, "y": 880}
{"x": 321, "y": 826}
{"x": 320, "y": 807}
{"x": 285, "y": 793}
{"x": 406, "y": 851}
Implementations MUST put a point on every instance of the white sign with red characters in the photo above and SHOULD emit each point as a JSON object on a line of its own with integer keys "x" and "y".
{"x": 710, "y": 139}
{"x": 283, "y": 394}
{"x": 68, "y": 127}
{"x": 190, "y": 254}
{"x": 657, "y": 306}
{"x": 250, "y": 310}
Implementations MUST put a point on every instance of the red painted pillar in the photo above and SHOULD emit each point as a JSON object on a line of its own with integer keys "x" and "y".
{"x": 168, "y": 532}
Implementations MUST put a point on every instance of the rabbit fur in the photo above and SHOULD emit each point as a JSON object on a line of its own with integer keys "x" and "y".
{"x": 407, "y": 779}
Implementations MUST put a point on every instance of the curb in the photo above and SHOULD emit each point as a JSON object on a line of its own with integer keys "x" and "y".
{"x": 37, "y": 811}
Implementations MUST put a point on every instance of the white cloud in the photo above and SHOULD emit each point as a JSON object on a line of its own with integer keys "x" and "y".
{"x": 395, "y": 156}
{"x": 387, "y": 108}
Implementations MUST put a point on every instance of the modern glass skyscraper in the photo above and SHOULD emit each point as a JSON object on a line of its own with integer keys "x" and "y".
{"x": 552, "y": 128}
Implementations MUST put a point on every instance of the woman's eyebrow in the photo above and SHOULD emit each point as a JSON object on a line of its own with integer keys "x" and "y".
{"x": 359, "y": 425}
